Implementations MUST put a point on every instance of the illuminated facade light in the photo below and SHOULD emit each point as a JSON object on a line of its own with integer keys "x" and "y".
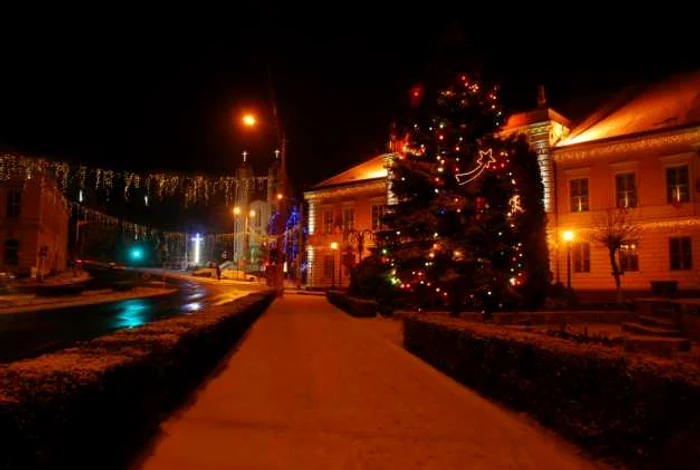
{"x": 197, "y": 248}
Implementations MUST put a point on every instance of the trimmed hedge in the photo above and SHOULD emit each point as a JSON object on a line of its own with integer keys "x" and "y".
{"x": 636, "y": 409}
{"x": 353, "y": 306}
{"x": 546, "y": 317}
{"x": 55, "y": 290}
{"x": 94, "y": 405}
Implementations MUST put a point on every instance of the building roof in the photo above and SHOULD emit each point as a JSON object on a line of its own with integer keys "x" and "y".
{"x": 543, "y": 114}
{"x": 366, "y": 171}
{"x": 671, "y": 103}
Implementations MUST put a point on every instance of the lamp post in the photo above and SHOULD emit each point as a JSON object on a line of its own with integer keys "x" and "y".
{"x": 250, "y": 120}
{"x": 236, "y": 213}
{"x": 246, "y": 236}
{"x": 568, "y": 237}
{"x": 334, "y": 248}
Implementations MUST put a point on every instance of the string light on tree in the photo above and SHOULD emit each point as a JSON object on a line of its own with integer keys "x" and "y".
{"x": 476, "y": 251}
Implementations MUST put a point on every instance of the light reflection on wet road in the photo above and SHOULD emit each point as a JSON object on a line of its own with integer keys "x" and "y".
{"x": 25, "y": 335}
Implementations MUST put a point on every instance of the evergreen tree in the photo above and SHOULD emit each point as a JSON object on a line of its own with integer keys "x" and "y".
{"x": 531, "y": 224}
{"x": 454, "y": 224}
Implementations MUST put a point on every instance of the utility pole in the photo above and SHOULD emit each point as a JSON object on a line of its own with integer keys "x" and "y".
{"x": 281, "y": 191}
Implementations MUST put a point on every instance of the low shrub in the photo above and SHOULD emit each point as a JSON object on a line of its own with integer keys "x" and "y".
{"x": 585, "y": 337}
{"x": 630, "y": 407}
{"x": 124, "y": 286}
{"x": 54, "y": 290}
{"x": 361, "y": 308}
{"x": 92, "y": 405}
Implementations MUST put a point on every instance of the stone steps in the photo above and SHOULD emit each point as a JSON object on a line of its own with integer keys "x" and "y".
{"x": 657, "y": 322}
{"x": 654, "y": 331}
{"x": 659, "y": 346}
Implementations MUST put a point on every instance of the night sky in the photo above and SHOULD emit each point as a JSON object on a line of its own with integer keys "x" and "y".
{"x": 159, "y": 90}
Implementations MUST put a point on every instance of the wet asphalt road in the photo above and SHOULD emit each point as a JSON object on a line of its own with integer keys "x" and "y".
{"x": 26, "y": 335}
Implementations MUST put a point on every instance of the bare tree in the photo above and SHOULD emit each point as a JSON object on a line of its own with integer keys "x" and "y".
{"x": 614, "y": 230}
{"x": 359, "y": 239}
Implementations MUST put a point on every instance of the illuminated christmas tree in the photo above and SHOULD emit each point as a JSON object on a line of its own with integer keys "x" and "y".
{"x": 458, "y": 209}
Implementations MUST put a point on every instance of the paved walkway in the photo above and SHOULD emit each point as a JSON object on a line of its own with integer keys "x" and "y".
{"x": 311, "y": 388}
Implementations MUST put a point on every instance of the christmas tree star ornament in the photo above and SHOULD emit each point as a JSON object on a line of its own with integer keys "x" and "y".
{"x": 483, "y": 163}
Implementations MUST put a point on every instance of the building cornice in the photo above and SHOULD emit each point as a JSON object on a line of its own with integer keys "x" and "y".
{"x": 379, "y": 184}
{"x": 533, "y": 128}
{"x": 688, "y": 136}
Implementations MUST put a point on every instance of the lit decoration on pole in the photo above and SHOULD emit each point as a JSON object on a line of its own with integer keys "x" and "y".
{"x": 481, "y": 166}
{"x": 197, "y": 248}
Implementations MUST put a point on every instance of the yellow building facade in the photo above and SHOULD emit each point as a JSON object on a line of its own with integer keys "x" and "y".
{"x": 638, "y": 154}
{"x": 640, "y": 157}
{"x": 341, "y": 209}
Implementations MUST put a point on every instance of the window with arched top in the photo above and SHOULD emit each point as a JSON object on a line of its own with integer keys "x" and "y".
{"x": 11, "y": 252}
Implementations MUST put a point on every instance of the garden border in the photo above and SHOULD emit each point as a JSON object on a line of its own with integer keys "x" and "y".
{"x": 631, "y": 408}
{"x": 353, "y": 306}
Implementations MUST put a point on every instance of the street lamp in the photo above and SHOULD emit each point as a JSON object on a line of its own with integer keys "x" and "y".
{"x": 249, "y": 120}
{"x": 334, "y": 247}
{"x": 568, "y": 237}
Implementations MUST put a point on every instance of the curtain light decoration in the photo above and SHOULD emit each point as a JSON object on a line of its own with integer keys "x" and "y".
{"x": 103, "y": 184}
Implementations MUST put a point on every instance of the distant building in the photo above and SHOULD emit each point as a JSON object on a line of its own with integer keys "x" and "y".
{"x": 638, "y": 152}
{"x": 33, "y": 226}
{"x": 353, "y": 200}
{"x": 251, "y": 220}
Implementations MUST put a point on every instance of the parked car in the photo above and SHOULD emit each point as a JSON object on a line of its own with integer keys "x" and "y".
{"x": 228, "y": 271}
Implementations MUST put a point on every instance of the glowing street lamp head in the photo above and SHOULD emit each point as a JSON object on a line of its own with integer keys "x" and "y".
{"x": 568, "y": 235}
{"x": 252, "y": 213}
{"x": 249, "y": 120}
{"x": 334, "y": 245}
{"x": 236, "y": 210}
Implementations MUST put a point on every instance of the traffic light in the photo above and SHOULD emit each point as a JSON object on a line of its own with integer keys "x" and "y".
{"x": 136, "y": 254}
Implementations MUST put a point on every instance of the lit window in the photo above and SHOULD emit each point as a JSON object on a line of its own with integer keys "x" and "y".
{"x": 680, "y": 253}
{"x": 378, "y": 217}
{"x": 578, "y": 190}
{"x": 677, "y": 184}
{"x": 626, "y": 190}
{"x": 581, "y": 257}
{"x": 327, "y": 222}
{"x": 348, "y": 220}
{"x": 629, "y": 259}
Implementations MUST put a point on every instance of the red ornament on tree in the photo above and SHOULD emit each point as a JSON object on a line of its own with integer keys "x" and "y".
{"x": 416, "y": 95}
